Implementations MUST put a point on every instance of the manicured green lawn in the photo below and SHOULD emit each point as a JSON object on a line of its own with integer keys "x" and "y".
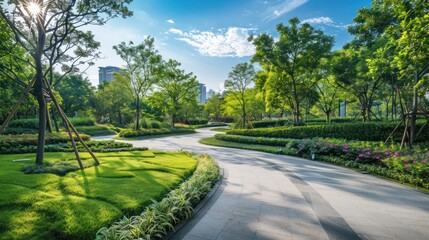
{"x": 75, "y": 206}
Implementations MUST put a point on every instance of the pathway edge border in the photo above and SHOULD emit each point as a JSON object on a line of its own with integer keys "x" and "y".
{"x": 200, "y": 205}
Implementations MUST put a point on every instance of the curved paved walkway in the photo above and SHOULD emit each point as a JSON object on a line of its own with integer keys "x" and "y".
{"x": 266, "y": 196}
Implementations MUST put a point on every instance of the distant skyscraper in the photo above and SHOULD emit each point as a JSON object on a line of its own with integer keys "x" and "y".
{"x": 202, "y": 95}
{"x": 105, "y": 74}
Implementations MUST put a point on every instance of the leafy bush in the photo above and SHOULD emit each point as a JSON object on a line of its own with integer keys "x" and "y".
{"x": 129, "y": 133}
{"x": 196, "y": 121}
{"x": 95, "y": 130}
{"x": 20, "y": 130}
{"x": 95, "y": 146}
{"x": 82, "y": 121}
{"x": 271, "y": 123}
{"x": 253, "y": 140}
{"x": 32, "y": 123}
{"x": 7, "y": 141}
{"x": 159, "y": 218}
{"x": 373, "y": 131}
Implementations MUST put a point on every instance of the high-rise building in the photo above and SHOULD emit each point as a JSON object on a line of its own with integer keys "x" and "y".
{"x": 202, "y": 95}
{"x": 105, "y": 74}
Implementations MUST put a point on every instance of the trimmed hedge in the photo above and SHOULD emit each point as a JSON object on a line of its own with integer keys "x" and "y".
{"x": 280, "y": 142}
{"x": 31, "y": 139}
{"x": 95, "y": 130}
{"x": 96, "y": 146}
{"x": 130, "y": 133}
{"x": 196, "y": 121}
{"x": 24, "y": 123}
{"x": 372, "y": 131}
{"x": 271, "y": 123}
{"x": 82, "y": 121}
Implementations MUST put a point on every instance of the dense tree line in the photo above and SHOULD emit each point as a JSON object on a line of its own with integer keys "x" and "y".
{"x": 382, "y": 74}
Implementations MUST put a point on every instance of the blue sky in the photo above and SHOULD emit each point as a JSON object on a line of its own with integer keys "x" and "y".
{"x": 209, "y": 36}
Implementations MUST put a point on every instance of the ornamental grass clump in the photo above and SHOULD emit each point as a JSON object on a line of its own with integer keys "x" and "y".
{"x": 160, "y": 217}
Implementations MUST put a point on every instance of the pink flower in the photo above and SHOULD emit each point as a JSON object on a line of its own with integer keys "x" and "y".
{"x": 407, "y": 166}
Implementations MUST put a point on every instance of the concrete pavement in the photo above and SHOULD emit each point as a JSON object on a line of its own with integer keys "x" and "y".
{"x": 266, "y": 196}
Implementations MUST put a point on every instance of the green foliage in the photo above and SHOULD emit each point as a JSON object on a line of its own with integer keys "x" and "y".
{"x": 76, "y": 92}
{"x": 77, "y": 205}
{"x": 271, "y": 123}
{"x": 281, "y": 142}
{"x": 291, "y": 65}
{"x": 96, "y": 146}
{"x": 130, "y": 133}
{"x": 177, "y": 88}
{"x": 95, "y": 130}
{"x": 24, "y": 123}
{"x": 372, "y": 131}
{"x": 159, "y": 217}
{"x": 82, "y": 121}
{"x": 196, "y": 121}
{"x": 31, "y": 139}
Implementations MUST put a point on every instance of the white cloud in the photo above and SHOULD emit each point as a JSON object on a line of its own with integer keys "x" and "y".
{"x": 282, "y": 8}
{"x": 324, "y": 20}
{"x": 319, "y": 20}
{"x": 232, "y": 43}
{"x": 170, "y": 21}
{"x": 175, "y": 31}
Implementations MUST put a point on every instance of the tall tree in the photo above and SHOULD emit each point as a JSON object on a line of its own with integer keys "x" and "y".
{"x": 177, "y": 87}
{"x": 142, "y": 69}
{"x": 239, "y": 80}
{"x": 49, "y": 32}
{"x": 292, "y": 62}
{"x": 113, "y": 101}
{"x": 77, "y": 93}
{"x": 214, "y": 106}
{"x": 351, "y": 73}
{"x": 412, "y": 49}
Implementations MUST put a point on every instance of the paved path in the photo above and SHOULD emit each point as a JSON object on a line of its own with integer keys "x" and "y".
{"x": 266, "y": 196}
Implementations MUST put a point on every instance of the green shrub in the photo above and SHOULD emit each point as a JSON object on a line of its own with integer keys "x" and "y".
{"x": 129, "y": 133}
{"x": 196, "y": 121}
{"x": 96, "y": 146}
{"x": 82, "y": 121}
{"x": 31, "y": 139}
{"x": 372, "y": 131}
{"x": 253, "y": 140}
{"x": 95, "y": 130}
{"x": 32, "y": 123}
{"x": 20, "y": 130}
{"x": 271, "y": 123}
{"x": 159, "y": 218}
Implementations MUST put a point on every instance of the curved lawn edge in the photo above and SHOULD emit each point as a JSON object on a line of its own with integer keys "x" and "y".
{"x": 376, "y": 171}
{"x": 158, "y": 218}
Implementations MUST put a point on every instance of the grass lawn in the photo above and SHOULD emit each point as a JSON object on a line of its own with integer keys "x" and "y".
{"x": 77, "y": 205}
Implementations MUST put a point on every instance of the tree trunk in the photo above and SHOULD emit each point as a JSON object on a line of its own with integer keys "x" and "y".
{"x": 413, "y": 117}
{"x": 48, "y": 120}
{"x": 54, "y": 117}
{"x": 119, "y": 116}
{"x": 328, "y": 117}
{"x": 138, "y": 114}
{"x": 38, "y": 89}
{"x": 243, "y": 115}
